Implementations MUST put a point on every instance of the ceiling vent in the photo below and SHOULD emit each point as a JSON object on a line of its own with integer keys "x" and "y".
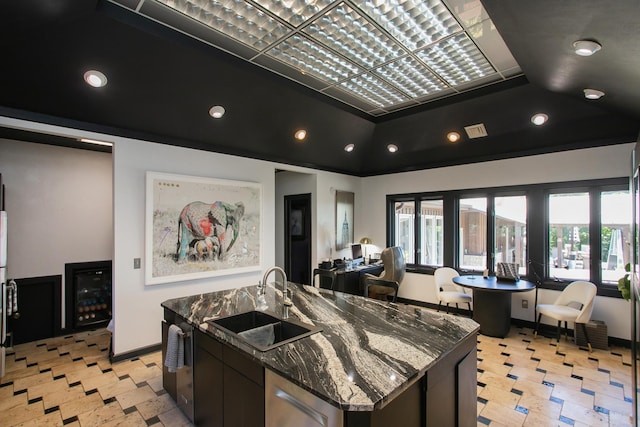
{"x": 476, "y": 131}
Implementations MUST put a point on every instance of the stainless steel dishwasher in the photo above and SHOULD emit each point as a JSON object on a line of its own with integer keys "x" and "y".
{"x": 288, "y": 405}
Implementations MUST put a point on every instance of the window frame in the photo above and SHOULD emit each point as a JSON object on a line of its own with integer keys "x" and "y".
{"x": 537, "y": 196}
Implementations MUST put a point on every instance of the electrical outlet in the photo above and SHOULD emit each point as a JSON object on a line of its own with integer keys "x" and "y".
{"x": 525, "y": 303}
{"x": 136, "y": 263}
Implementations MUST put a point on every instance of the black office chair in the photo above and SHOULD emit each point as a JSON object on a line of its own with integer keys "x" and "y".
{"x": 327, "y": 278}
{"x": 389, "y": 281}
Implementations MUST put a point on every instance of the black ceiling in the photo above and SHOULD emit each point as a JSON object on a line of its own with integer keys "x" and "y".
{"x": 162, "y": 83}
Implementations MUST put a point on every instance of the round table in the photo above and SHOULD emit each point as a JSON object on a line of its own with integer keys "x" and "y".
{"x": 492, "y": 301}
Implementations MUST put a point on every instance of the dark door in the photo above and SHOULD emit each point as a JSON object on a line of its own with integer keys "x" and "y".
{"x": 297, "y": 238}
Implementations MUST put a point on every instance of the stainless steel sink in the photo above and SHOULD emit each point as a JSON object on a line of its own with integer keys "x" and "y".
{"x": 263, "y": 331}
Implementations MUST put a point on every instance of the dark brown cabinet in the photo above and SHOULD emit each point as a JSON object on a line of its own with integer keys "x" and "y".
{"x": 208, "y": 382}
{"x": 228, "y": 386}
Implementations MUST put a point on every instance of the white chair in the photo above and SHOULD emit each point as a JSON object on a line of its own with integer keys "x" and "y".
{"x": 575, "y": 304}
{"x": 447, "y": 291}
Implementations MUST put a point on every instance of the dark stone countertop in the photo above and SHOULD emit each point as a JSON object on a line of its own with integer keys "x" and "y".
{"x": 368, "y": 352}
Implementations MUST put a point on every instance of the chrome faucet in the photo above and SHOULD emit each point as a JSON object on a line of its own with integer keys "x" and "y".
{"x": 286, "y": 301}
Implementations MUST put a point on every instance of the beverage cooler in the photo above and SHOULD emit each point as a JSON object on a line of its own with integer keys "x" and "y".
{"x": 92, "y": 297}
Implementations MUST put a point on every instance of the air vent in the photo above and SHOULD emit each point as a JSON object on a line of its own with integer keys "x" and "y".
{"x": 476, "y": 131}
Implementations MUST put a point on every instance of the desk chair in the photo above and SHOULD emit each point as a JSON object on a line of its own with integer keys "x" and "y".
{"x": 328, "y": 275}
{"x": 447, "y": 291}
{"x": 388, "y": 282}
{"x": 575, "y": 304}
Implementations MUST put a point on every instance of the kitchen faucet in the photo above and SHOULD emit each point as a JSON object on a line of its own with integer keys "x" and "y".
{"x": 286, "y": 301}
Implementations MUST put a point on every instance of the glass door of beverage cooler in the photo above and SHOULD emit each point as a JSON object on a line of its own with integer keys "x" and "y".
{"x": 92, "y": 298}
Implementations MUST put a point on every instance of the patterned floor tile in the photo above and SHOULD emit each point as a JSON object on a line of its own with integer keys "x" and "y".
{"x": 521, "y": 381}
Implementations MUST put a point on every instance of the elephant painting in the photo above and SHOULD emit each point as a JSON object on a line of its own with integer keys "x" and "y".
{"x": 209, "y": 229}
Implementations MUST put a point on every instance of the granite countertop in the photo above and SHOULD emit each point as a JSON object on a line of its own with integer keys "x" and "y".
{"x": 368, "y": 352}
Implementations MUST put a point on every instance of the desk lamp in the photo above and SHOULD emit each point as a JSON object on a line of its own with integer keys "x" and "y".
{"x": 365, "y": 241}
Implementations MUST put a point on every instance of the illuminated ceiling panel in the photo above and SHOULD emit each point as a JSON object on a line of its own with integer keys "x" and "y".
{"x": 387, "y": 55}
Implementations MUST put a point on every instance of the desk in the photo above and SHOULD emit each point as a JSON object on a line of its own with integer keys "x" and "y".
{"x": 349, "y": 281}
{"x": 492, "y": 301}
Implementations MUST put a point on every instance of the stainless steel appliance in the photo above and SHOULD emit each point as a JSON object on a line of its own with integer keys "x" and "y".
{"x": 3, "y": 289}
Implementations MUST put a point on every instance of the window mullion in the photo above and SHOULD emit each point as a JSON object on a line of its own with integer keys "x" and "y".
{"x": 595, "y": 236}
{"x": 417, "y": 233}
{"x": 491, "y": 230}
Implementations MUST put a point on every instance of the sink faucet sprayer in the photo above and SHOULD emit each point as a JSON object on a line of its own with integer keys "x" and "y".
{"x": 286, "y": 301}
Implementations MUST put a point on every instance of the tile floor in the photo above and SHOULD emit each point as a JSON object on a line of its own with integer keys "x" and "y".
{"x": 521, "y": 382}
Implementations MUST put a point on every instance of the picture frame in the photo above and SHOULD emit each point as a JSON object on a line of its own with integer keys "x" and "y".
{"x": 198, "y": 227}
{"x": 296, "y": 223}
{"x": 344, "y": 219}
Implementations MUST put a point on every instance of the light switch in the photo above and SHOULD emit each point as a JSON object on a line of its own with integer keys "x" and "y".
{"x": 136, "y": 263}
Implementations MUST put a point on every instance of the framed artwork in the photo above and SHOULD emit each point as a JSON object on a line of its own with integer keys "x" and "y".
{"x": 344, "y": 219}
{"x": 296, "y": 222}
{"x": 200, "y": 227}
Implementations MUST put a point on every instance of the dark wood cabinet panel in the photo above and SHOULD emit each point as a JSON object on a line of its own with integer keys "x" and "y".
{"x": 208, "y": 385}
{"x": 451, "y": 388}
{"x": 228, "y": 386}
{"x": 467, "y": 384}
{"x": 243, "y": 400}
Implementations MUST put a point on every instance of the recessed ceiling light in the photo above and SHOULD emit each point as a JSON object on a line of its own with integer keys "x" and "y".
{"x": 300, "y": 134}
{"x": 96, "y": 142}
{"x": 593, "y": 94}
{"x": 539, "y": 119}
{"x": 349, "y": 147}
{"x": 95, "y": 78}
{"x": 453, "y": 136}
{"x": 216, "y": 111}
{"x": 392, "y": 148}
{"x": 586, "y": 47}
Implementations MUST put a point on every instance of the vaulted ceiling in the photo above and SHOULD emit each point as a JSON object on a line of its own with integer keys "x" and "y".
{"x": 162, "y": 83}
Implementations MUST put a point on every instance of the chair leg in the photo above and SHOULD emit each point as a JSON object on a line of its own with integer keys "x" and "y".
{"x": 584, "y": 330}
{"x": 457, "y": 309}
{"x": 535, "y": 333}
{"x": 439, "y": 305}
{"x": 566, "y": 331}
{"x": 469, "y": 304}
{"x": 558, "y": 336}
{"x": 447, "y": 308}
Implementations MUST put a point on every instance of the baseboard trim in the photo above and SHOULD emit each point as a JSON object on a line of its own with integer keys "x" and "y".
{"x": 135, "y": 353}
{"x": 545, "y": 330}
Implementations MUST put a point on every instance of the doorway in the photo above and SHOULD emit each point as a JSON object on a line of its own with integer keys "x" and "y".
{"x": 297, "y": 237}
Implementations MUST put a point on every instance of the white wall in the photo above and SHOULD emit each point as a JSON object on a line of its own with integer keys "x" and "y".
{"x": 137, "y": 307}
{"x": 58, "y": 203}
{"x": 328, "y": 184}
{"x": 593, "y": 163}
{"x": 137, "y": 311}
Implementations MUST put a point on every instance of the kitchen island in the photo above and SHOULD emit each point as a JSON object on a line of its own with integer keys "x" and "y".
{"x": 373, "y": 363}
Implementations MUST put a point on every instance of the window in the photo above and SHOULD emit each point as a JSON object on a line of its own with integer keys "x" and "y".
{"x": 404, "y": 224}
{"x": 510, "y": 241}
{"x": 615, "y": 217}
{"x": 419, "y": 232}
{"x": 569, "y": 249}
{"x": 556, "y": 232}
{"x": 431, "y": 233}
{"x": 473, "y": 234}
